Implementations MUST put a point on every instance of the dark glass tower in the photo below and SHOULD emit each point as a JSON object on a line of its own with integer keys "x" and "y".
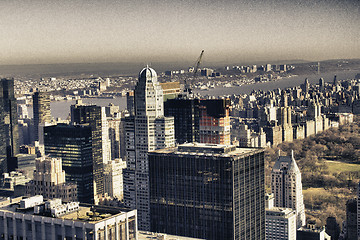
{"x": 91, "y": 114}
{"x": 42, "y": 112}
{"x": 208, "y": 191}
{"x": 9, "y": 132}
{"x": 186, "y": 118}
{"x": 74, "y": 145}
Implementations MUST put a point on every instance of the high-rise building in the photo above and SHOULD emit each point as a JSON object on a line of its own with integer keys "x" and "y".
{"x": 186, "y": 118}
{"x": 280, "y": 222}
{"x": 113, "y": 176}
{"x": 9, "y": 132}
{"x": 49, "y": 181}
{"x": 287, "y": 187}
{"x": 332, "y": 228}
{"x": 215, "y": 121}
{"x": 351, "y": 219}
{"x": 73, "y": 144}
{"x": 42, "y": 112}
{"x": 208, "y": 191}
{"x": 93, "y": 115}
{"x": 321, "y": 84}
{"x": 205, "y": 120}
{"x": 146, "y": 130}
{"x": 130, "y": 104}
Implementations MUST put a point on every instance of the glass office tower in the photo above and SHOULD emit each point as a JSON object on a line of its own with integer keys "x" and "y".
{"x": 208, "y": 191}
{"x": 73, "y": 144}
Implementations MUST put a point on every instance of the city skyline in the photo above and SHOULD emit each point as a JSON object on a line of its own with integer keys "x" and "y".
{"x": 43, "y": 32}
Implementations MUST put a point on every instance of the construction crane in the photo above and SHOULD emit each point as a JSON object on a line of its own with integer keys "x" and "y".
{"x": 187, "y": 89}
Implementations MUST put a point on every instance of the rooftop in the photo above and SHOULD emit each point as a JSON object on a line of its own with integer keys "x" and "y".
{"x": 283, "y": 212}
{"x": 208, "y": 150}
{"x": 152, "y": 235}
{"x": 85, "y": 213}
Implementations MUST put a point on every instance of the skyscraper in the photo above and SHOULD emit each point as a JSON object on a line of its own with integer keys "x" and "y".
{"x": 287, "y": 187}
{"x": 9, "y": 132}
{"x": 186, "y": 118}
{"x": 280, "y": 222}
{"x": 215, "y": 121}
{"x": 205, "y": 120}
{"x": 42, "y": 112}
{"x": 92, "y": 115}
{"x": 146, "y": 131}
{"x": 208, "y": 191}
{"x": 73, "y": 144}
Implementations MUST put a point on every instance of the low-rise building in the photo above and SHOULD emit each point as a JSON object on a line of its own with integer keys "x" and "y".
{"x": 33, "y": 219}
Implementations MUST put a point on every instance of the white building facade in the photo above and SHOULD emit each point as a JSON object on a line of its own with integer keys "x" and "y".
{"x": 280, "y": 223}
{"x": 49, "y": 181}
{"x": 287, "y": 187}
{"x": 73, "y": 222}
{"x": 113, "y": 177}
{"x": 147, "y": 130}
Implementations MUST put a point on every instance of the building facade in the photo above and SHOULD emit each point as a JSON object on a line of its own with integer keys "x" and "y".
{"x": 146, "y": 130}
{"x": 280, "y": 222}
{"x": 113, "y": 176}
{"x": 287, "y": 187}
{"x": 215, "y": 121}
{"x": 41, "y": 111}
{"x": 49, "y": 181}
{"x": 208, "y": 191}
{"x": 9, "y": 129}
{"x": 93, "y": 115}
{"x": 186, "y": 118}
{"x": 73, "y": 144}
{"x": 33, "y": 219}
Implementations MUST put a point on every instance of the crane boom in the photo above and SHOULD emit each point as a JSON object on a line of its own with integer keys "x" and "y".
{"x": 198, "y": 62}
{"x": 197, "y": 65}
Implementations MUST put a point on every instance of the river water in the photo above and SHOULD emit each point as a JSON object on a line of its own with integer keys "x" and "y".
{"x": 61, "y": 109}
{"x": 282, "y": 83}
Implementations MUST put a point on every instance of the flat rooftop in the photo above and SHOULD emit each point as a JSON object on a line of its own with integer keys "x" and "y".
{"x": 151, "y": 235}
{"x": 277, "y": 211}
{"x": 208, "y": 150}
{"x": 86, "y": 212}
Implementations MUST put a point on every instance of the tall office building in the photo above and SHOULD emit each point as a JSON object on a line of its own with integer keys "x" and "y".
{"x": 42, "y": 112}
{"x": 280, "y": 222}
{"x": 73, "y": 144}
{"x": 287, "y": 187}
{"x": 93, "y": 115}
{"x": 186, "y": 118}
{"x": 49, "y": 181}
{"x": 215, "y": 121}
{"x": 208, "y": 191}
{"x": 205, "y": 120}
{"x": 147, "y": 130}
{"x": 9, "y": 132}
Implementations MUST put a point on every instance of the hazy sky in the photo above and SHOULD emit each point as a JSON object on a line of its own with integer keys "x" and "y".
{"x": 60, "y": 31}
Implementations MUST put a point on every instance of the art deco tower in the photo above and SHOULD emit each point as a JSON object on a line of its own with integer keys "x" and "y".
{"x": 146, "y": 130}
{"x": 287, "y": 187}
